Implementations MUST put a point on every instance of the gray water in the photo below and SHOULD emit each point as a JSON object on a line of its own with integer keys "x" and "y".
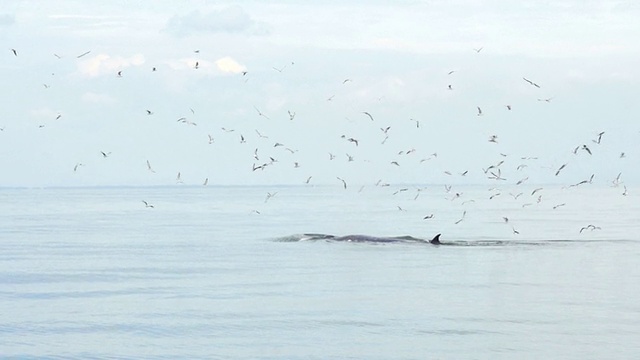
{"x": 222, "y": 273}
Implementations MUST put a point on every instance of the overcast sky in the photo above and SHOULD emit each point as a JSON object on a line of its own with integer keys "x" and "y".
{"x": 233, "y": 79}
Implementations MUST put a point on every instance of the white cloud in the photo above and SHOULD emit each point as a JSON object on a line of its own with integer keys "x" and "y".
{"x": 103, "y": 64}
{"x": 44, "y": 113}
{"x": 229, "y": 65}
{"x": 232, "y": 19}
{"x": 7, "y": 19}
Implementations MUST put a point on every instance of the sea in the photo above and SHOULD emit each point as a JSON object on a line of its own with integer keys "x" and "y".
{"x": 227, "y": 272}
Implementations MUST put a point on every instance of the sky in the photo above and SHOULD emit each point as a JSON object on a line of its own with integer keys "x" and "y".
{"x": 110, "y": 93}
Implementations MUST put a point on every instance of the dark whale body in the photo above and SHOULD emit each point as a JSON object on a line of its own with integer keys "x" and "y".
{"x": 374, "y": 239}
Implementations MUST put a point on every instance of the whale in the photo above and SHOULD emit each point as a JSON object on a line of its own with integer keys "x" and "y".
{"x": 373, "y": 239}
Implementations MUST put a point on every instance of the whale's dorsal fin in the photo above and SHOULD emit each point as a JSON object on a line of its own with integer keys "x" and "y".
{"x": 436, "y": 240}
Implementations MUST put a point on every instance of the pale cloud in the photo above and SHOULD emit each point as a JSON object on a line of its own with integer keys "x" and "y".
{"x": 229, "y": 65}
{"x": 7, "y": 19}
{"x": 97, "y": 98}
{"x": 44, "y": 113}
{"x": 104, "y": 64}
{"x": 225, "y": 65}
{"x": 232, "y": 19}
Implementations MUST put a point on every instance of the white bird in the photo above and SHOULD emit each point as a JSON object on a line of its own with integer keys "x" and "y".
{"x": 344, "y": 183}
{"x": 149, "y": 167}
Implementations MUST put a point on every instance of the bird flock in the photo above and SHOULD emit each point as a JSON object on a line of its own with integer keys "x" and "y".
{"x": 265, "y": 151}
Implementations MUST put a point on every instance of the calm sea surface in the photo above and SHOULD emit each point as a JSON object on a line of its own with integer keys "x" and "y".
{"x": 221, "y": 273}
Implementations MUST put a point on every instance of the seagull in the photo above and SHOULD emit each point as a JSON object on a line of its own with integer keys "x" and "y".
{"x": 479, "y": 111}
{"x": 531, "y": 82}
{"x": 478, "y": 49}
{"x": 197, "y": 65}
{"x": 346, "y": 81}
{"x": 561, "y": 167}
{"x": 260, "y": 135}
{"x": 344, "y": 183}
{"x": 15, "y": 53}
{"x": 350, "y": 157}
{"x": 261, "y": 114}
{"x": 585, "y": 148}
{"x": 430, "y": 216}
{"x": 331, "y": 156}
{"x": 105, "y": 154}
{"x": 269, "y": 196}
{"x": 451, "y": 72}
{"x": 599, "y": 138}
{"x": 146, "y": 204}
{"x": 535, "y": 191}
{"x": 178, "y": 178}
{"x": 589, "y": 227}
{"x": 292, "y": 115}
{"x": 369, "y": 115}
{"x": 278, "y": 70}
{"x": 75, "y": 168}
{"x": 255, "y": 154}
{"x": 206, "y": 181}
{"x": 83, "y": 54}
{"x": 624, "y": 193}
{"x": 464, "y": 213}
{"x": 449, "y": 87}
{"x": 308, "y": 179}
{"x": 516, "y": 196}
{"x": 508, "y": 107}
{"x": 417, "y": 122}
{"x": 493, "y": 139}
{"x": 210, "y": 139}
{"x": 149, "y": 112}
{"x": 616, "y": 181}
{"x": 559, "y": 205}
{"x": 547, "y": 99}
{"x": 515, "y": 232}
{"x": 149, "y": 167}
{"x": 119, "y": 73}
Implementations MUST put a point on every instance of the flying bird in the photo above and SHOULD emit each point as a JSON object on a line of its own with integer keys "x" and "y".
{"x": 369, "y": 115}
{"x": 597, "y": 141}
{"x": 149, "y": 167}
{"x": 15, "y": 53}
{"x": 146, "y": 204}
{"x": 261, "y": 114}
{"x": 344, "y": 183}
{"x": 561, "y": 167}
{"x": 531, "y": 82}
{"x": 83, "y": 54}
{"x": 479, "y": 111}
{"x": 269, "y": 196}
